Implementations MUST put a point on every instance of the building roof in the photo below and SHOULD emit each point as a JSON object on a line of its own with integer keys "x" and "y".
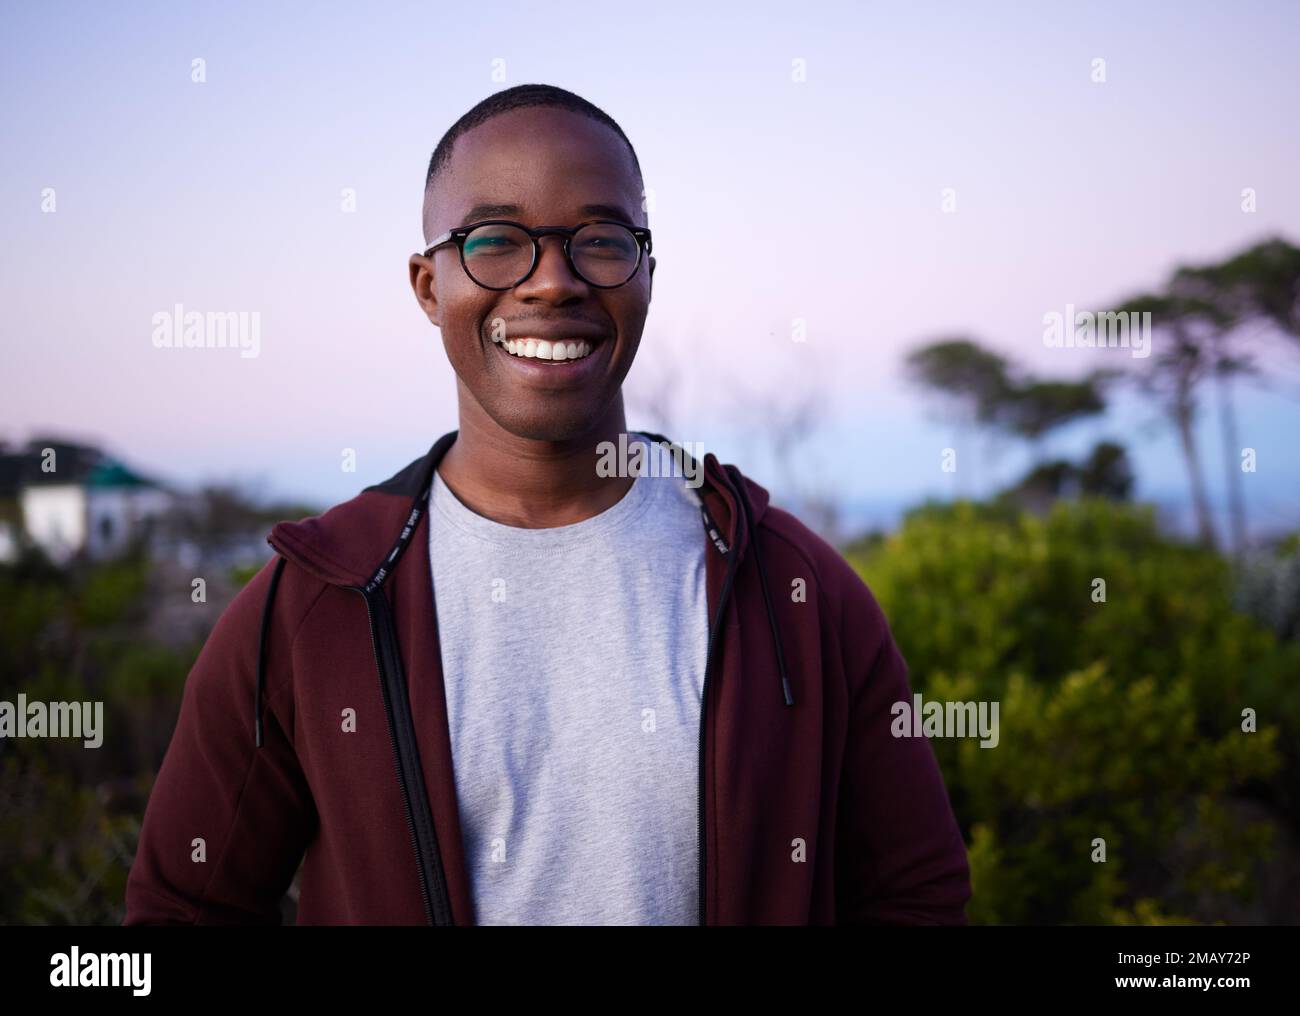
{"x": 77, "y": 464}
{"x": 111, "y": 473}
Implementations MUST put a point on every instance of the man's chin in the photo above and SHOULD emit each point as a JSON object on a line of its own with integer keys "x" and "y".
{"x": 550, "y": 427}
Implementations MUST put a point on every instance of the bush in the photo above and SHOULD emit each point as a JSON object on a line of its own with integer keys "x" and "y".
{"x": 1121, "y": 718}
{"x": 69, "y": 817}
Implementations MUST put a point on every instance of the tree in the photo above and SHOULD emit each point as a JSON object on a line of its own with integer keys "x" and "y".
{"x": 1263, "y": 283}
{"x": 1206, "y": 313}
{"x": 1173, "y": 375}
{"x": 996, "y": 395}
{"x": 1034, "y": 407}
{"x": 1258, "y": 287}
{"x": 971, "y": 379}
{"x": 962, "y": 370}
{"x": 1106, "y": 473}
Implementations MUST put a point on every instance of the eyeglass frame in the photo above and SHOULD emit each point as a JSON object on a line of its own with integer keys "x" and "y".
{"x": 458, "y": 236}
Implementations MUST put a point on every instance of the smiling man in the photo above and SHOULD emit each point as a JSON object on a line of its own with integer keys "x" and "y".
{"x": 506, "y": 686}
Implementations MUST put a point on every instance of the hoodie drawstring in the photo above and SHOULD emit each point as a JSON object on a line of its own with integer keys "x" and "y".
{"x": 738, "y": 485}
{"x": 261, "y": 652}
{"x": 745, "y": 507}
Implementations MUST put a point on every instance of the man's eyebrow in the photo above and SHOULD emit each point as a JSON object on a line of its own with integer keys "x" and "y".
{"x": 606, "y": 212}
{"x": 487, "y": 210}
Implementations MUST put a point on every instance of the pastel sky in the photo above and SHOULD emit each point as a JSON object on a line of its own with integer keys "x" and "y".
{"x": 226, "y": 195}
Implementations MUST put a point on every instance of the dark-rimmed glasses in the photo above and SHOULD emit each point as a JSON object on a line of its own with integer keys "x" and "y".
{"x": 500, "y": 254}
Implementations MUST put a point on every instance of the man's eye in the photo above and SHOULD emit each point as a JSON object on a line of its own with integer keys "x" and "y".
{"x": 489, "y": 244}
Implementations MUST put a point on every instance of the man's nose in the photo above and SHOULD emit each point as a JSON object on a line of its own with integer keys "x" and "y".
{"x": 552, "y": 269}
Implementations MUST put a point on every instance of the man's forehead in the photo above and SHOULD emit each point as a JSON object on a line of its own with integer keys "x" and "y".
{"x": 477, "y": 210}
{"x": 496, "y": 168}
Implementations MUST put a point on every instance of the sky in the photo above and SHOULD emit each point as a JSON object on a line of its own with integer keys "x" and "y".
{"x": 822, "y": 139}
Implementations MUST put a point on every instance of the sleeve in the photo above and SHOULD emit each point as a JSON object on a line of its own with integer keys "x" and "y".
{"x": 227, "y": 822}
{"x": 900, "y": 857}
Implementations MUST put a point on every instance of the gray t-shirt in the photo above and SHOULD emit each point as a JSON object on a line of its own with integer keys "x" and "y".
{"x": 573, "y": 660}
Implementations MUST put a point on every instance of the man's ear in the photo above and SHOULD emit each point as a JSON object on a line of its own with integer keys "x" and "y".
{"x": 421, "y": 269}
{"x": 651, "y": 293}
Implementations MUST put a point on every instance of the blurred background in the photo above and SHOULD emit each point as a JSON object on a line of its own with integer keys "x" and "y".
{"x": 919, "y": 200}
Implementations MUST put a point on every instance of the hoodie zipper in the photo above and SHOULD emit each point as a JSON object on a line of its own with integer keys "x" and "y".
{"x": 400, "y": 735}
{"x": 404, "y": 754}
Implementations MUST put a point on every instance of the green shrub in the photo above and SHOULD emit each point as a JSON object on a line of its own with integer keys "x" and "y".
{"x": 1119, "y": 720}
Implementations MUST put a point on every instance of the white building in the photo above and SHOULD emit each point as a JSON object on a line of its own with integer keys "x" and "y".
{"x": 71, "y": 500}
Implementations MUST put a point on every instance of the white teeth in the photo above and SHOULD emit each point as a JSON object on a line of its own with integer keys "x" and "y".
{"x": 543, "y": 349}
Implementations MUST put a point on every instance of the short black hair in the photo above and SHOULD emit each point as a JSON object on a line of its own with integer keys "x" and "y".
{"x": 519, "y": 97}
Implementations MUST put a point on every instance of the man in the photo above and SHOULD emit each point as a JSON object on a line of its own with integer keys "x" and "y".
{"x": 552, "y": 671}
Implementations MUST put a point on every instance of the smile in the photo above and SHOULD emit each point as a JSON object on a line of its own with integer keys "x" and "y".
{"x": 543, "y": 349}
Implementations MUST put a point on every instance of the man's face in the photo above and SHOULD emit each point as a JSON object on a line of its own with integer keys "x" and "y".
{"x": 538, "y": 167}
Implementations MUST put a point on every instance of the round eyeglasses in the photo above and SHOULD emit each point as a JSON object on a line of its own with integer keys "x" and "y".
{"x": 500, "y": 254}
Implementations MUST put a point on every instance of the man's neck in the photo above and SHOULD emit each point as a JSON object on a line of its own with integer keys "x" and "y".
{"x": 531, "y": 484}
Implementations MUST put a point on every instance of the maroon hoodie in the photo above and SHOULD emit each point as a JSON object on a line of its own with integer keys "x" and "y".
{"x": 810, "y": 811}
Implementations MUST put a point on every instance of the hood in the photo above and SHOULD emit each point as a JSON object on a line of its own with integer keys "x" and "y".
{"x": 346, "y": 544}
{"x": 356, "y": 544}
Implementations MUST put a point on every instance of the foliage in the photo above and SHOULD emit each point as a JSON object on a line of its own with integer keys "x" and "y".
{"x": 69, "y": 815}
{"x": 1106, "y": 472}
{"x": 1269, "y": 589}
{"x": 1121, "y": 719}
